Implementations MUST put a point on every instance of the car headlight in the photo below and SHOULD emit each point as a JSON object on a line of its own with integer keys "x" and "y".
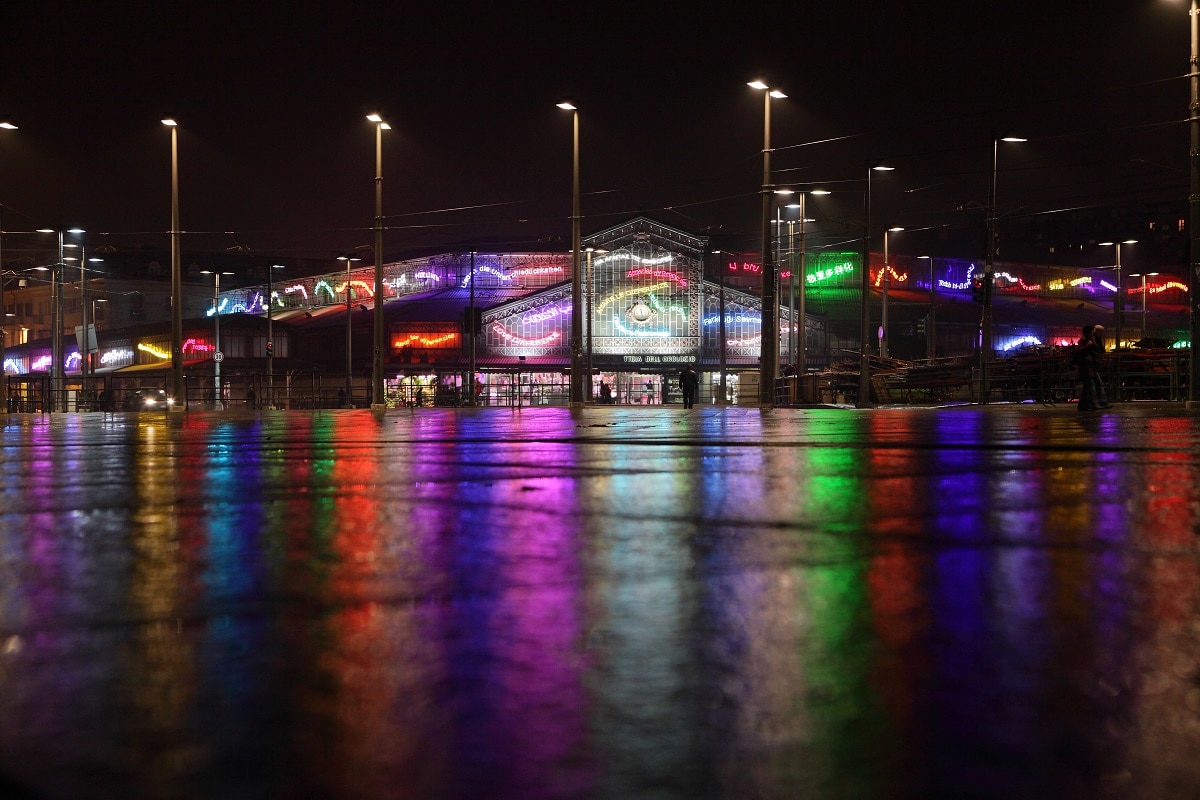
{"x": 150, "y": 401}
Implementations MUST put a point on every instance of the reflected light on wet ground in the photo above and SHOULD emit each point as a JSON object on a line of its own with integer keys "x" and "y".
{"x": 618, "y": 603}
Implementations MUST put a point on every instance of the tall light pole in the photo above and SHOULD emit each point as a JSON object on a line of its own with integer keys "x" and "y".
{"x": 886, "y": 280}
{"x": 1193, "y": 401}
{"x": 591, "y": 323}
{"x": 769, "y": 347}
{"x": 217, "y": 354}
{"x": 802, "y": 333}
{"x": 989, "y": 272}
{"x": 8, "y": 126}
{"x": 377, "y": 404}
{"x": 931, "y": 331}
{"x": 57, "y": 369}
{"x": 176, "y": 275}
{"x": 864, "y": 320}
{"x": 1118, "y": 310}
{"x": 576, "y": 390}
{"x": 1143, "y": 276}
{"x": 349, "y": 351}
{"x": 271, "y": 337}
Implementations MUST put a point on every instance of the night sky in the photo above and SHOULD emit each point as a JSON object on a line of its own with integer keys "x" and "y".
{"x": 276, "y": 156}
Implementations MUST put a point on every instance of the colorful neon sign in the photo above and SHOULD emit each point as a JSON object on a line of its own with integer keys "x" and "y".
{"x": 154, "y": 351}
{"x": 536, "y": 271}
{"x": 433, "y": 340}
{"x": 640, "y": 334}
{"x": 197, "y": 346}
{"x": 1014, "y": 280}
{"x": 615, "y": 296}
{"x": 12, "y": 365}
{"x": 958, "y": 287}
{"x": 649, "y": 262}
{"x": 642, "y": 272}
{"x": 1021, "y": 341}
{"x": 73, "y": 360}
{"x": 512, "y": 338}
{"x": 730, "y": 319}
{"x": 487, "y": 271}
{"x": 219, "y": 309}
{"x": 362, "y": 286}
{"x": 657, "y": 305}
{"x": 547, "y": 313}
{"x": 821, "y": 275}
{"x": 116, "y": 355}
{"x": 40, "y": 364}
{"x": 297, "y": 288}
{"x": 896, "y": 276}
{"x": 745, "y": 266}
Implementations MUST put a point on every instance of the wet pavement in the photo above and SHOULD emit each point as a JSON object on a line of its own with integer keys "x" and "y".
{"x": 614, "y": 603}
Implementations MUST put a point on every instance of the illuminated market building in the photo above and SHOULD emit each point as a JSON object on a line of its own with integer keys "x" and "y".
{"x": 654, "y": 299}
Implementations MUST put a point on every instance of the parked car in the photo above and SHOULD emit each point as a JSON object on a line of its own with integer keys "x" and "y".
{"x": 146, "y": 400}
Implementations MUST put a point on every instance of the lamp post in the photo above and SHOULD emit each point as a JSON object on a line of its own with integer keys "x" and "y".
{"x": 217, "y": 354}
{"x": 349, "y": 352}
{"x": 377, "y": 404}
{"x": 271, "y": 338}
{"x": 930, "y": 331}
{"x": 1193, "y": 400}
{"x": 886, "y": 280}
{"x": 176, "y": 274}
{"x": 1118, "y": 310}
{"x": 721, "y": 363}
{"x": 577, "y": 392}
{"x": 1143, "y": 276}
{"x": 769, "y": 347}
{"x": 86, "y": 336}
{"x": 57, "y": 368}
{"x": 989, "y": 272}
{"x": 864, "y": 321}
{"x": 591, "y": 323}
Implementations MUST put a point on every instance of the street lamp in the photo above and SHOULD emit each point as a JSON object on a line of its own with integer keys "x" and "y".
{"x": 1143, "y": 276}
{"x": 377, "y": 363}
{"x": 769, "y": 355}
{"x": 86, "y": 336}
{"x": 886, "y": 281}
{"x": 1118, "y": 309}
{"x": 348, "y": 259}
{"x": 989, "y": 276}
{"x": 931, "y": 331}
{"x": 801, "y": 346}
{"x": 271, "y": 338}
{"x": 176, "y": 274}
{"x": 57, "y": 368}
{"x": 864, "y": 320}
{"x": 1193, "y": 279}
{"x": 577, "y": 393}
{"x": 218, "y": 356}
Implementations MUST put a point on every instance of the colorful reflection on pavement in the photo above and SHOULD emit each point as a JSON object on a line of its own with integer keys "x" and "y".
{"x": 647, "y": 603}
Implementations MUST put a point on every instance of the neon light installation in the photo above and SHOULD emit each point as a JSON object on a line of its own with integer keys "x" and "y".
{"x": 641, "y": 334}
{"x": 297, "y": 288}
{"x": 40, "y": 364}
{"x": 657, "y": 305}
{"x": 154, "y": 351}
{"x": 197, "y": 346}
{"x": 958, "y": 287}
{"x": 536, "y": 271}
{"x": 323, "y": 284}
{"x": 820, "y": 275}
{"x": 656, "y": 273}
{"x": 362, "y": 286}
{"x": 425, "y": 276}
{"x": 1021, "y": 341}
{"x": 548, "y": 313}
{"x": 116, "y": 355}
{"x": 1162, "y": 287}
{"x": 512, "y": 338}
{"x": 615, "y": 296}
{"x": 636, "y": 259}
{"x": 487, "y": 270}
{"x": 1027, "y": 287}
{"x": 896, "y": 276}
{"x": 12, "y": 365}
{"x": 219, "y": 309}
{"x": 730, "y": 319}
{"x": 745, "y": 266}
{"x": 414, "y": 339}
{"x": 73, "y": 360}
{"x": 1108, "y": 286}
{"x": 743, "y": 342}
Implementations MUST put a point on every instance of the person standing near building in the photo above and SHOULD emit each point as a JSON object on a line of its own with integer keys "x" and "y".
{"x": 688, "y": 381}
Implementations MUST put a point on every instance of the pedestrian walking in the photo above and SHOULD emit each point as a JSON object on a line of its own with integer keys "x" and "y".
{"x": 606, "y": 395}
{"x": 688, "y": 381}
{"x": 1098, "y": 359}
{"x": 251, "y": 398}
{"x": 1086, "y": 360}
